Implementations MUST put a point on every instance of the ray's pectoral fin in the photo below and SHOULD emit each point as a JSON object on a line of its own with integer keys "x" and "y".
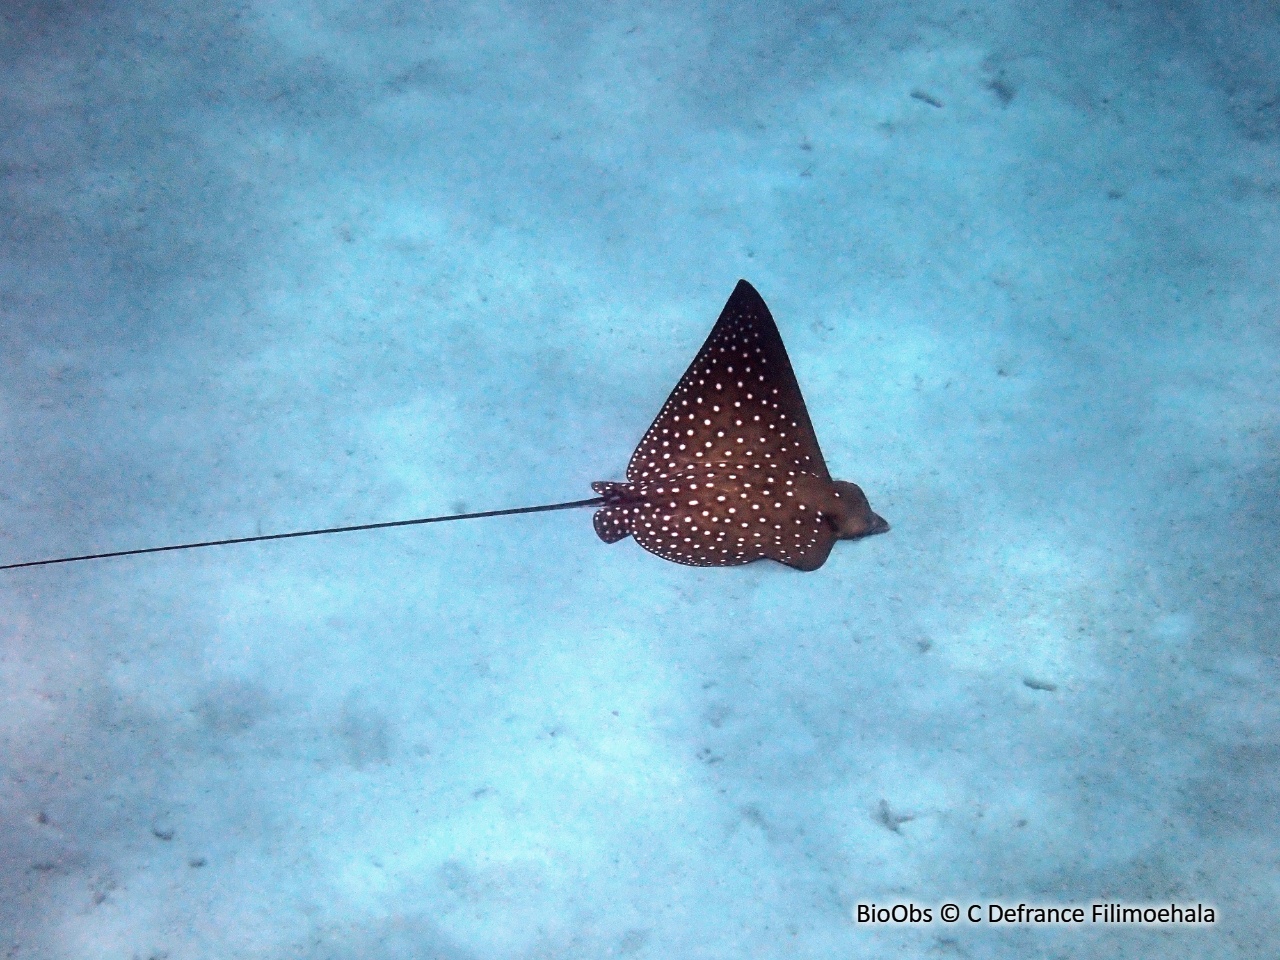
{"x": 811, "y": 557}
{"x": 808, "y": 564}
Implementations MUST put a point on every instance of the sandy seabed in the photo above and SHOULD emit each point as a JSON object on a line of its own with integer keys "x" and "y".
{"x": 269, "y": 266}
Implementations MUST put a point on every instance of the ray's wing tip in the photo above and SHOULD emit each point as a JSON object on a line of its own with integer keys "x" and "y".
{"x": 747, "y": 297}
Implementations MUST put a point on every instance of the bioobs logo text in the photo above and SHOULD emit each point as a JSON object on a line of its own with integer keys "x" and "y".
{"x": 898, "y": 913}
{"x": 1197, "y": 914}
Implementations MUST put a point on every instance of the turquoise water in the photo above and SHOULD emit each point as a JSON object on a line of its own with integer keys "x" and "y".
{"x": 287, "y": 265}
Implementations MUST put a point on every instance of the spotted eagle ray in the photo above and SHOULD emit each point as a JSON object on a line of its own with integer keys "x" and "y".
{"x": 730, "y": 472}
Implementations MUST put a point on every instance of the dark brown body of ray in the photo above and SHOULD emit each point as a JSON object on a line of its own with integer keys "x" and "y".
{"x": 730, "y": 472}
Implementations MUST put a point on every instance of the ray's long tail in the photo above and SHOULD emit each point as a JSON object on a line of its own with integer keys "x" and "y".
{"x": 593, "y": 502}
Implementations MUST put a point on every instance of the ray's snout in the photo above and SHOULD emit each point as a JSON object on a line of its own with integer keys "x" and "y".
{"x": 854, "y": 517}
{"x": 863, "y": 524}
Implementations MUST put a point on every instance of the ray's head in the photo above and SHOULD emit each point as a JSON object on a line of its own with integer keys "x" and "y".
{"x": 851, "y": 516}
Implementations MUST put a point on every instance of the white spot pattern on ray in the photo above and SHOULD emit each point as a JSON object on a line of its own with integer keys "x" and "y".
{"x": 735, "y": 433}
